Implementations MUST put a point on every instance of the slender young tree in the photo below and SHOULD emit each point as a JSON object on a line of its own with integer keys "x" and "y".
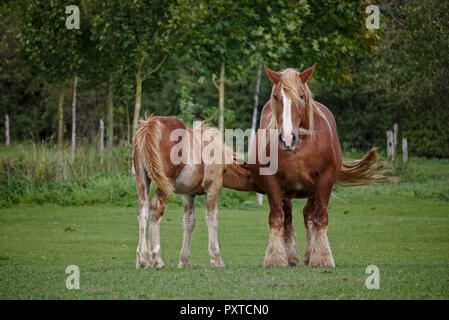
{"x": 110, "y": 129}
{"x": 218, "y": 45}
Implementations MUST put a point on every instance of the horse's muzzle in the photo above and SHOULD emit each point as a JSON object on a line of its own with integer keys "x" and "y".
{"x": 288, "y": 143}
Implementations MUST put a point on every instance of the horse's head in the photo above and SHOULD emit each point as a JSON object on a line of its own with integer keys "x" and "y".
{"x": 291, "y": 102}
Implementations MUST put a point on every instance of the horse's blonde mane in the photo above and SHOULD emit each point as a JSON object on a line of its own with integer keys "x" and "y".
{"x": 291, "y": 84}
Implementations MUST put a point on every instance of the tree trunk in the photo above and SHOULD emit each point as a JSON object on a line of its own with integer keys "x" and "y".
{"x": 7, "y": 130}
{"x": 256, "y": 99}
{"x": 254, "y": 121}
{"x": 60, "y": 125}
{"x": 110, "y": 130}
{"x": 138, "y": 101}
{"x": 127, "y": 125}
{"x": 74, "y": 120}
{"x": 221, "y": 98}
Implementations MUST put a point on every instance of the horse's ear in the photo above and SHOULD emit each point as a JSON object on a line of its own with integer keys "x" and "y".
{"x": 306, "y": 74}
{"x": 272, "y": 75}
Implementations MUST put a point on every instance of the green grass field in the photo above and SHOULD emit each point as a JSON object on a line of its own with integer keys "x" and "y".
{"x": 407, "y": 239}
{"x": 402, "y": 228}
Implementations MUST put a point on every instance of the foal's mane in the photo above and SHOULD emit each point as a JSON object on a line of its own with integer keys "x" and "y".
{"x": 291, "y": 84}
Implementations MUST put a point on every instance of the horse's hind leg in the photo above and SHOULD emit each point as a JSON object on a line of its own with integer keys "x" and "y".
{"x": 289, "y": 234}
{"x": 143, "y": 186}
{"x": 212, "y": 225}
{"x": 188, "y": 223}
{"x": 157, "y": 207}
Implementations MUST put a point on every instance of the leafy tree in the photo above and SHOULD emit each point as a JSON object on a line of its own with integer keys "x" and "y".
{"x": 56, "y": 52}
{"x": 218, "y": 44}
{"x": 142, "y": 33}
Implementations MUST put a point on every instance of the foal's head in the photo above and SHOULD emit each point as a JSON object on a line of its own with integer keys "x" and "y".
{"x": 291, "y": 104}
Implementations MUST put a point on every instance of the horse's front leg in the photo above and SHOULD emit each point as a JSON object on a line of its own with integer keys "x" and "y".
{"x": 212, "y": 225}
{"x": 289, "y": 234}
{"x": 275, "y": 256}
{"x": 318, "y": 251}
{"x": 157, "y": 207}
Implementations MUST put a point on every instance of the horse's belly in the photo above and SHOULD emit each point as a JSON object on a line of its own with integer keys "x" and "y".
{"x": 189, "y": 180}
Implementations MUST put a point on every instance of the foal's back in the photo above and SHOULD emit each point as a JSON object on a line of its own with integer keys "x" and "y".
{"x": 164, "y": 148}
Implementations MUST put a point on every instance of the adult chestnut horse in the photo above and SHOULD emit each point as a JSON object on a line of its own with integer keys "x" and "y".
{"x": 309, "y": 164}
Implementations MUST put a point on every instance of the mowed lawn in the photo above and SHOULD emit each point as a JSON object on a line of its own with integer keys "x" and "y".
{"x": 407, "y": 238}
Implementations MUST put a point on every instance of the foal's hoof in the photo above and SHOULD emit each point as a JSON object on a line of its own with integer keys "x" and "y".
{"x": 183, "y": 264}
{"x": 217, "y": 263}
{"x": 142, "y": 260}
{"x": 159, "y": 264}
{"x": 141, "y": 265}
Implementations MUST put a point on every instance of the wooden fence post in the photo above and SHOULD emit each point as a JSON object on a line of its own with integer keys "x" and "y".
{"x": 259, "y": 198}
{"x": 395, "y": 138}
{"x": 404, "y": 153}
{"x": 7, "y": 130}
{"x": 390, "y": 144}
{"x": 101, "y": 140}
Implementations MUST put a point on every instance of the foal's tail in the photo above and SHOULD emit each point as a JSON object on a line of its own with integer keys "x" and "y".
{"x": 147, "y": 143}
{"x": 364, "y": 171}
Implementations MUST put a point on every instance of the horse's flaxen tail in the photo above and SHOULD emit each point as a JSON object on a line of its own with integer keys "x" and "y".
{"x": 364, "y": 171}
{"x": 147, "y": 142}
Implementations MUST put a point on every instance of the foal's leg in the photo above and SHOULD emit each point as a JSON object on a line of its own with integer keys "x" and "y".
{"x": 289, "y": 234}
{"x": 143, "y": 185}
{"x": 156, "y": 210}
{"x": 188, "y": 223}
{"x": 275, "y": 256}
{"x": 320, "y": 252}
{"x": 212, "y": 225}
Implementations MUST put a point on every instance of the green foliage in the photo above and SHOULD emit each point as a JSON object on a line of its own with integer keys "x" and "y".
{"x": 56, "y": 52}
{"x": 404, "y": 82}
{"x": 32, "y": 175}
{"x": 188, "y": 110}
{"x": 333, "y": 35}
{"x": 369, "y": 79}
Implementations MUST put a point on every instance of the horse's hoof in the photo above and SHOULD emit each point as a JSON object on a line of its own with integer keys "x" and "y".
{"x": 275, "y": 261}
{"x": 321, "y": 261}
{"x": 293, "y": 261}
{"x": 292, "y": 255}
{"x": 275, "y": 256}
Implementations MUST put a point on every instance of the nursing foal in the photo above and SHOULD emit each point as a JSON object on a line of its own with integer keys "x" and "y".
{"x": 181, "y": 166}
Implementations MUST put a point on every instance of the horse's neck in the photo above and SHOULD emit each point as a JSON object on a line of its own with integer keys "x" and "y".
{"x": 238, "y": 177}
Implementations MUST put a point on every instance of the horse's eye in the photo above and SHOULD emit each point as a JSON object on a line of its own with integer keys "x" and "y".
{"x": 275, "y": 97}
{"x": 302, "y": 97}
